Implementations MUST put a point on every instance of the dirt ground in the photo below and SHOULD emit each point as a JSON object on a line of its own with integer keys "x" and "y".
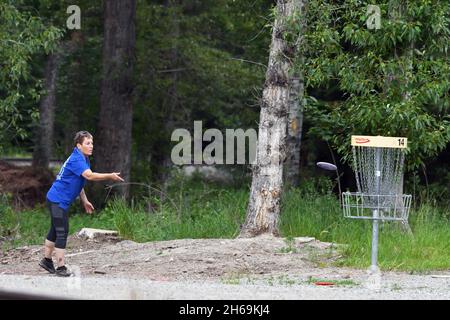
{"x": 26, "y": 185}
{"x": 186, "y": 259}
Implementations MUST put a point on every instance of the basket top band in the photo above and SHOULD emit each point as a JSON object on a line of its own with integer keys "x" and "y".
{"x": 380, "y": 142}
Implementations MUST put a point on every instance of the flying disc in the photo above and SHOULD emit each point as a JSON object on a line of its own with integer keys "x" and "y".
{"x": 326, "y": 166}
{"x": 324, "y": 283}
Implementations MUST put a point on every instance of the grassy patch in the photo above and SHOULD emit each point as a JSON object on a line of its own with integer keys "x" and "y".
{"x": 285, "y": 280}
{"x": 427, "y": 248}
{"x": 290, "y": 246}
{"x": 15, "y": 152}
{"x": 236, "y": 278}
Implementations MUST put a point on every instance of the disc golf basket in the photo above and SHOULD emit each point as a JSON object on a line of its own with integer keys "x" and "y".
{"x": 378, "y": 165}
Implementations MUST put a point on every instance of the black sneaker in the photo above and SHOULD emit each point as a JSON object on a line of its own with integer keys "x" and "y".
{"x": 62, "y": 272}
{"x": 47, "y": 264}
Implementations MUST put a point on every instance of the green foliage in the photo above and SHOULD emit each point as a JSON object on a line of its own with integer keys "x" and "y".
{"x": 22, "y": 36}
{"x": 392, "y": 81}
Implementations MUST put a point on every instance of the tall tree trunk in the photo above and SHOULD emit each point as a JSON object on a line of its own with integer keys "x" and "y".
{"x": 267, "y": 180}
{"x": 44, "y": 135}
{"x": 112, "y": 152}
{"x": 296, "y": 105}
{"x": 75, "y": 121}
{"x": 43, "y": 143}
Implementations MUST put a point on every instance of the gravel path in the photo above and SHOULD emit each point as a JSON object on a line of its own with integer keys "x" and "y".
{"x": 396, "y": 287}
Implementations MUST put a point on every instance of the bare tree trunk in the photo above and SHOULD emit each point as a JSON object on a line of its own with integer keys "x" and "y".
{"x": 267, "y": 180}
{"x": 113, "y": 136}
{"x": 75, "y": 120}
{"x": 44, "y": 135}
{"x": 44, "y": 132}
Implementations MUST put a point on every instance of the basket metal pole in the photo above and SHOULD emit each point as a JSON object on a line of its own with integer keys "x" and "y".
{"x": 376, "y": 211}
{"x": 374, "y": 240}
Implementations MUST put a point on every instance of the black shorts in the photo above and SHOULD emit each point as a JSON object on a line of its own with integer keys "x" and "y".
{"x": 59, "y": 228}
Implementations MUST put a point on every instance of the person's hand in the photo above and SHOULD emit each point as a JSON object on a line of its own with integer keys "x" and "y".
{"x": 115, "y": 177}
{"x": 88, "y": 207}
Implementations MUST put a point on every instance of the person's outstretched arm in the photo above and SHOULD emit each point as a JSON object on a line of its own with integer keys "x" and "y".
{"x": 94, "y": 176}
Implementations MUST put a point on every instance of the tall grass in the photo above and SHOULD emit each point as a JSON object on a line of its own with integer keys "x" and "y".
{"x": 212, "y": 213}
{"x": 427, "y": 248}
{"x": 199, "y": 210}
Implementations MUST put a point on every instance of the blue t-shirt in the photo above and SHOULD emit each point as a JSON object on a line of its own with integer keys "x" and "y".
{"x": 69, "y": 181}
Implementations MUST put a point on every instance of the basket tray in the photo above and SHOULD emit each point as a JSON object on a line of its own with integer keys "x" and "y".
{"x": 376, "y": 207}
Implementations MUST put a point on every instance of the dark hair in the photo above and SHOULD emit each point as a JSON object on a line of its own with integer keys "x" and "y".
{"x": 79, "y": 137}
